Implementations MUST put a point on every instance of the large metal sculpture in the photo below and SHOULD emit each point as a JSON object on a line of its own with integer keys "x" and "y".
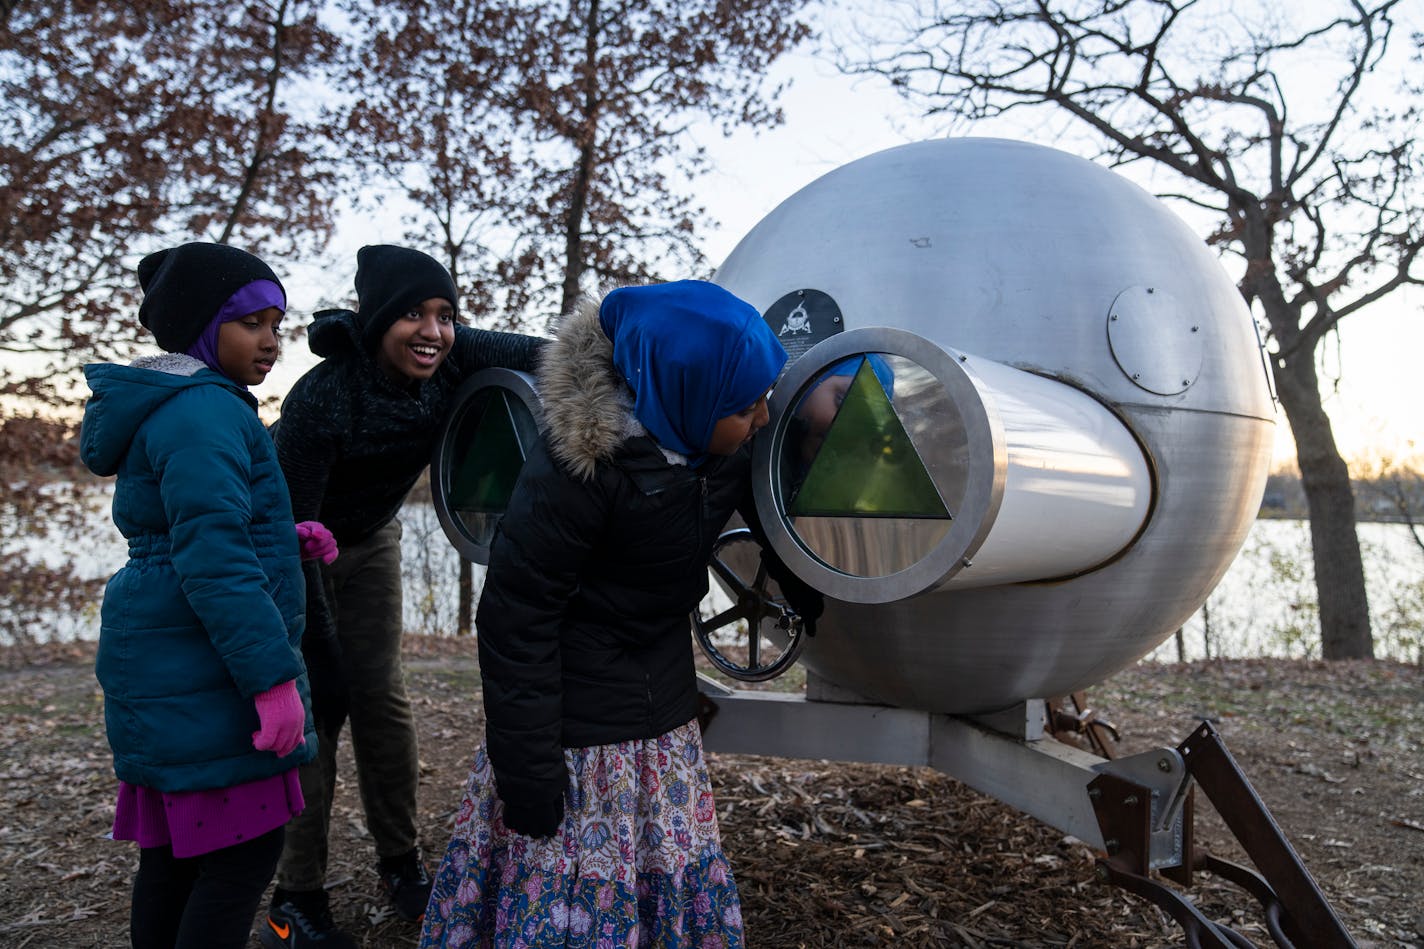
{"x": 1075, "y": 374}
{"x": 1024, "y": 432}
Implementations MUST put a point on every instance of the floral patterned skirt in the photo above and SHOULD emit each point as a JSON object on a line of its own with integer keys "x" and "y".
{"x": 638, "y": 859}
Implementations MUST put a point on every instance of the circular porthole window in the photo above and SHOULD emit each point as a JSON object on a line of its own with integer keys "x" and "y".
{"x": 479, "y": 454}
{"x": 867, "y": 484}
{"x": 892, "y": 466}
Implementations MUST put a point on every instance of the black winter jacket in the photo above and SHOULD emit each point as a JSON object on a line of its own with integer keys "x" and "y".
{"x": 602, "y": 555}
{"x": 352, "y": 443}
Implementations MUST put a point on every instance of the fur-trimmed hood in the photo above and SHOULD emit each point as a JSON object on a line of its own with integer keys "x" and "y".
{"x": 587, "y": 406}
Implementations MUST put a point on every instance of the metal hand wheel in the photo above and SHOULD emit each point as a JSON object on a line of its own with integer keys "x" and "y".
{"x": 772, "y": 632}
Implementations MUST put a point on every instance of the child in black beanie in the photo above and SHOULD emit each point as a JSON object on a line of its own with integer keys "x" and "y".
{"x": 355, "y": 434}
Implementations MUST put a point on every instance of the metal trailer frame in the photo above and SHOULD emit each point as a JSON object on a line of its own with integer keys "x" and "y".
{"x": 1135, "y": 811}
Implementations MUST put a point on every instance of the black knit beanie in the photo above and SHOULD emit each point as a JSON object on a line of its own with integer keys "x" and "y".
{"x": 390, "y": 281}
{"x": 185, "y": 286}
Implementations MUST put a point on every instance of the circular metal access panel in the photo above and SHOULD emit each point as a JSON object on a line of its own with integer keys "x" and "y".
{"x": 1155, "y": 339}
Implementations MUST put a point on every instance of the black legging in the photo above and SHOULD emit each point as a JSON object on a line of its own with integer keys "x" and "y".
{"x": 203, "y": 901}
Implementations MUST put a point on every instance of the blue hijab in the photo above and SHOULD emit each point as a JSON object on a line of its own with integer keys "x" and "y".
{"x": 693, "y": 354}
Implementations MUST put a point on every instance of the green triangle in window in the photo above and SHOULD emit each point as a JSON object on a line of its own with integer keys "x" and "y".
{"x": 490, "y": 458}
{"x": 867, "y": 466}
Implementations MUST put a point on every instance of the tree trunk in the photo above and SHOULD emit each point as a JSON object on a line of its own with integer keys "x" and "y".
{"x": 583, "y": 170}
{"x": 1339, "y": 572}
{"x": 465, "y": 609}
{"x": 1206, "y": 629}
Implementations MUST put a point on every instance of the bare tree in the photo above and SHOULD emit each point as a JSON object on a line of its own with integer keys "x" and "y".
{"x": 606, "y": 91}
{"x": 1393, "y": 488}
{"x": 1262, "y": 119}
{"x": 434, "y": 127}
{"x": 127, "y": 126}
{"x": 124, "y": 127}
{"x": 535, "y": 141}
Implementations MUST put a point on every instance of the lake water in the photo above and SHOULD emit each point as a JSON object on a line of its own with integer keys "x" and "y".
{"x": 1264, "y": 606}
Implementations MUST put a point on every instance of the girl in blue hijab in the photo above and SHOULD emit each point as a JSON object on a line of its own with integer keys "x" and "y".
{"x": 588, "y": 816}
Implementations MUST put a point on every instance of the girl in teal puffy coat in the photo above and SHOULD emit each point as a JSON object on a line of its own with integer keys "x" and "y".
{"x": 205, "y": 693}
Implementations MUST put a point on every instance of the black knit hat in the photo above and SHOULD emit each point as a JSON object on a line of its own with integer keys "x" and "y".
{"x": 390, "y": 281}
{"x": 185, "y": 286}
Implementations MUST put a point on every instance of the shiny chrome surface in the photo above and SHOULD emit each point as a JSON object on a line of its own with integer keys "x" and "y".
{"x": 1039, "y": 481}
{"x": 1020, "y": 257}
{"x": 1077, "y": 486}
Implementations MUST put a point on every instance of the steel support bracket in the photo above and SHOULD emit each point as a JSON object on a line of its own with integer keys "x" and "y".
{"x": 1143, "y": 818}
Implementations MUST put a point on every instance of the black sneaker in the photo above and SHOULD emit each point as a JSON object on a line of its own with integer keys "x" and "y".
{"x": 406, "y": 883}
{"x": 299, "y": 918}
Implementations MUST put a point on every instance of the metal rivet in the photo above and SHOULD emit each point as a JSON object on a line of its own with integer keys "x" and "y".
{"x": 1136, "y": 376}
{"x": 1113, "y": 317}
{"x": 835, "y": 319}
{"x": 1164, "y": 764}
{"x": 1130, "y": 800}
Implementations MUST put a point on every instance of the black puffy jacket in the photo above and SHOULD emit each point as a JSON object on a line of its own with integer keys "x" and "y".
{"x": 598, "y": 562}
{"x": 583, "y": 624}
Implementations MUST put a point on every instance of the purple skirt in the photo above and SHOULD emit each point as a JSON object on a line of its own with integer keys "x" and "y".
{"x": 199, "y": 822}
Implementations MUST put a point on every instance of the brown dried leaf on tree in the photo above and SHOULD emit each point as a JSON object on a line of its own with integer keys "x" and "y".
{"x": 125, "y": 127}
{"x": 586, "y": 109}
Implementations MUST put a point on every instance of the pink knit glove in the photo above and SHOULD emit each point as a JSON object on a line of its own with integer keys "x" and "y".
{"x": 316, "y": 542}
{"x": 280, "y": 712}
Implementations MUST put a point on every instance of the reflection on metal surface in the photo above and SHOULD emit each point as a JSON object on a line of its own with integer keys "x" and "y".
{"x": 856, "y": 489}
{"x": 865, "y": 463}
{"x": 489, "y": 446}
{"x": 870, "y": 547}
{"x": 486, "y": 433}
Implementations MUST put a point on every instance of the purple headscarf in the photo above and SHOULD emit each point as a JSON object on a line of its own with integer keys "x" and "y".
{"x": 257, "y": 295}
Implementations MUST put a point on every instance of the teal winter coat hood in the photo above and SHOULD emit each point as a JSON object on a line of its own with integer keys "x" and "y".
{"x": 124, "y": 396}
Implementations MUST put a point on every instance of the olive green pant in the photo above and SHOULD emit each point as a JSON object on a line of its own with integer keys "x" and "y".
{"x": 363, "y": 587}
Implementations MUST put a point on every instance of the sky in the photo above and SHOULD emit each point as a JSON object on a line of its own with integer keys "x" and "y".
{"x": 834, "y": 119}
{"x": 831, "y": 120}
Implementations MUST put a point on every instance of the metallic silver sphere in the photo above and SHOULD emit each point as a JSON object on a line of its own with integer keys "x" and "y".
{"x": 1056, "y": 452}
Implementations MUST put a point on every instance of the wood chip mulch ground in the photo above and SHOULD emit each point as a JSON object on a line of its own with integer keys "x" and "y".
{"x": 826, "y": 854}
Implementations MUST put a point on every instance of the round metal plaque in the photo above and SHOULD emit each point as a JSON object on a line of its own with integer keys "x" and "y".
{"x": 803, "y": 318}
